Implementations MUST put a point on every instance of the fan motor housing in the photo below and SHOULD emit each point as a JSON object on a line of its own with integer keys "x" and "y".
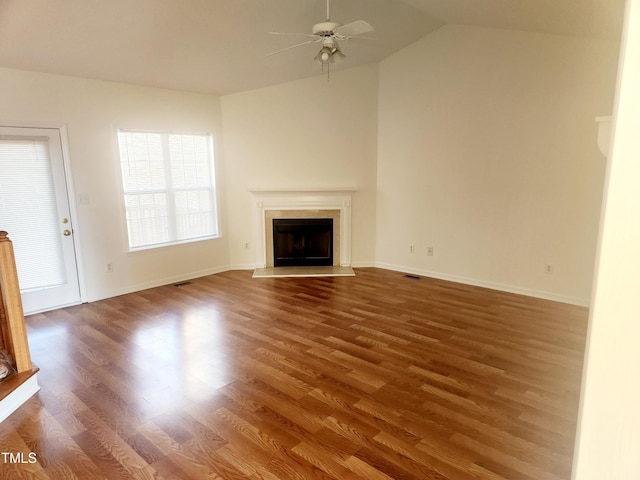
{"x": 325, "y": 29}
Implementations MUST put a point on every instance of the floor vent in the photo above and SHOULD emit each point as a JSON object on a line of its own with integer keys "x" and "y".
{"x": 414, "y": 277}
{"x": 181, "y": 284}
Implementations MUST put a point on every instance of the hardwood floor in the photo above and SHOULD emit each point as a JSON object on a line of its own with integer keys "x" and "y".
{"x": 377, "y": 376}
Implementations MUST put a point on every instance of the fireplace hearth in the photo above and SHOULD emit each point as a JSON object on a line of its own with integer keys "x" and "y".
{"x": 302, "y": 242}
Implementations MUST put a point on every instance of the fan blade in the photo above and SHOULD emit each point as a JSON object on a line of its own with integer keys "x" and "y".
{"x": 354, "y": 28}
{"x": 293, "y": 34}
{"x": 293, "y": 46}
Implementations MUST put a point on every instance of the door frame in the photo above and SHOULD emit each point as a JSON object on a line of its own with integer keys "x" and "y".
{"x": 71, "y": 196}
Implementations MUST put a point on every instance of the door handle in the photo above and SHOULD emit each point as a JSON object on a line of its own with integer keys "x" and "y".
{"x": 66, "y": 233}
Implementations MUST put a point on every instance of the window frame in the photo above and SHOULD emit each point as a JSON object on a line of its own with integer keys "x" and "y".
{"x": 169, "y": 190}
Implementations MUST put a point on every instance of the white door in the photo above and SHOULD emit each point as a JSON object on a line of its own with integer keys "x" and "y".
{"x": 34, "y": 210}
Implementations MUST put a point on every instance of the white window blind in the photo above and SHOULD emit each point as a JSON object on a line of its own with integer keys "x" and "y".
{"x": 169, "y": 187}
{"x": 28, "y": 211}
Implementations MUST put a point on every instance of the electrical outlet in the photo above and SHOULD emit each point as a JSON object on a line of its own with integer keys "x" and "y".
{"x": 109, "y": 267}
{"x": 246, "y": 245}
{"x": 430, "y": 251}
{"x": 548, "y": 268}
{"x": 412, "y": 248}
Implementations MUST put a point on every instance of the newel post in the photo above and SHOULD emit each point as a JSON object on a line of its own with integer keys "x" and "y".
{"x": 14, "y": 330}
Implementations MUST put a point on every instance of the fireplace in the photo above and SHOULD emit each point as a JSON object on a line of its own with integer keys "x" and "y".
{"x": 315, "y": 204}
{"x": 312, "y": 217}
{"x": 302, "y": 242}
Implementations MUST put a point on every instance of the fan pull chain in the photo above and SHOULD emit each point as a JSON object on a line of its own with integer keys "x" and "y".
{"x": 328, "y": 70}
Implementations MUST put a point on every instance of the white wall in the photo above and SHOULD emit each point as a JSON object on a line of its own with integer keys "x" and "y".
{"x": 608, "y": 437}
{"x": 92, "y": 112}
{"x": 487, "y": 153}
{"x": 477, "y": 142}
{"x": 311, "y": 133}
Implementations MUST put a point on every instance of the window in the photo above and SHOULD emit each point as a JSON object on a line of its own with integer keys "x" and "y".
{"x": 169, "y": 187}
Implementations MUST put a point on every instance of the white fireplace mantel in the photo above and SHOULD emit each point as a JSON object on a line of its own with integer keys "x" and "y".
{"x": 302, "y": 199}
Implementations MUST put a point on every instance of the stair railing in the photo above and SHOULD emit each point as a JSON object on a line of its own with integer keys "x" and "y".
{"x": 12, "y": 323}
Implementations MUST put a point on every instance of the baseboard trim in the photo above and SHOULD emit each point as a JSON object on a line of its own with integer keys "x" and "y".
{"x": 242, "y": 266}
{"x": 363, "y": 264}
{"x": 581, "y": 302}
{"x": 159, "y": 283}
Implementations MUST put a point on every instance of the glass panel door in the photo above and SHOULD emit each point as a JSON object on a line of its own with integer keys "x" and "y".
{"x": 34, "y": 210}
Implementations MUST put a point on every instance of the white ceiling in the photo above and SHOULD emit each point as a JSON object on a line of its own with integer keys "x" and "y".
{"x": 221, "y": 46}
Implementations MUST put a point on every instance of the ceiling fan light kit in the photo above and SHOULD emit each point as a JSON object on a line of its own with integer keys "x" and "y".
{"x": 328, "y": 33}
{"x": 324, "y": 56}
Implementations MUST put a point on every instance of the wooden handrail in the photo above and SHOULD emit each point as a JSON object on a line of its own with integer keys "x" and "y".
{"x": 14, "y": 330}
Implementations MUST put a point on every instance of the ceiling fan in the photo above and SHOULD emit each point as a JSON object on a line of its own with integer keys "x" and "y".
{"x": 327, "y": 34}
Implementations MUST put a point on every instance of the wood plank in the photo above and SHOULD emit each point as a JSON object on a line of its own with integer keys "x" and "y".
{"x": 370, "y": 377}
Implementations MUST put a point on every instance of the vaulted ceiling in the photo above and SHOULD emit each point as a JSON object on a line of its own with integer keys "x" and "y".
{"x": 222, "y": 46}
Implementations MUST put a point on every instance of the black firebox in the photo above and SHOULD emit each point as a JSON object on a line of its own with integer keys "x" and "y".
{"x": 299, "y": 242}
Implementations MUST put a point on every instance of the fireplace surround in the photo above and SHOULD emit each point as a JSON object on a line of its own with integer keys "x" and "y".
{"x": 312, "y": 203}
